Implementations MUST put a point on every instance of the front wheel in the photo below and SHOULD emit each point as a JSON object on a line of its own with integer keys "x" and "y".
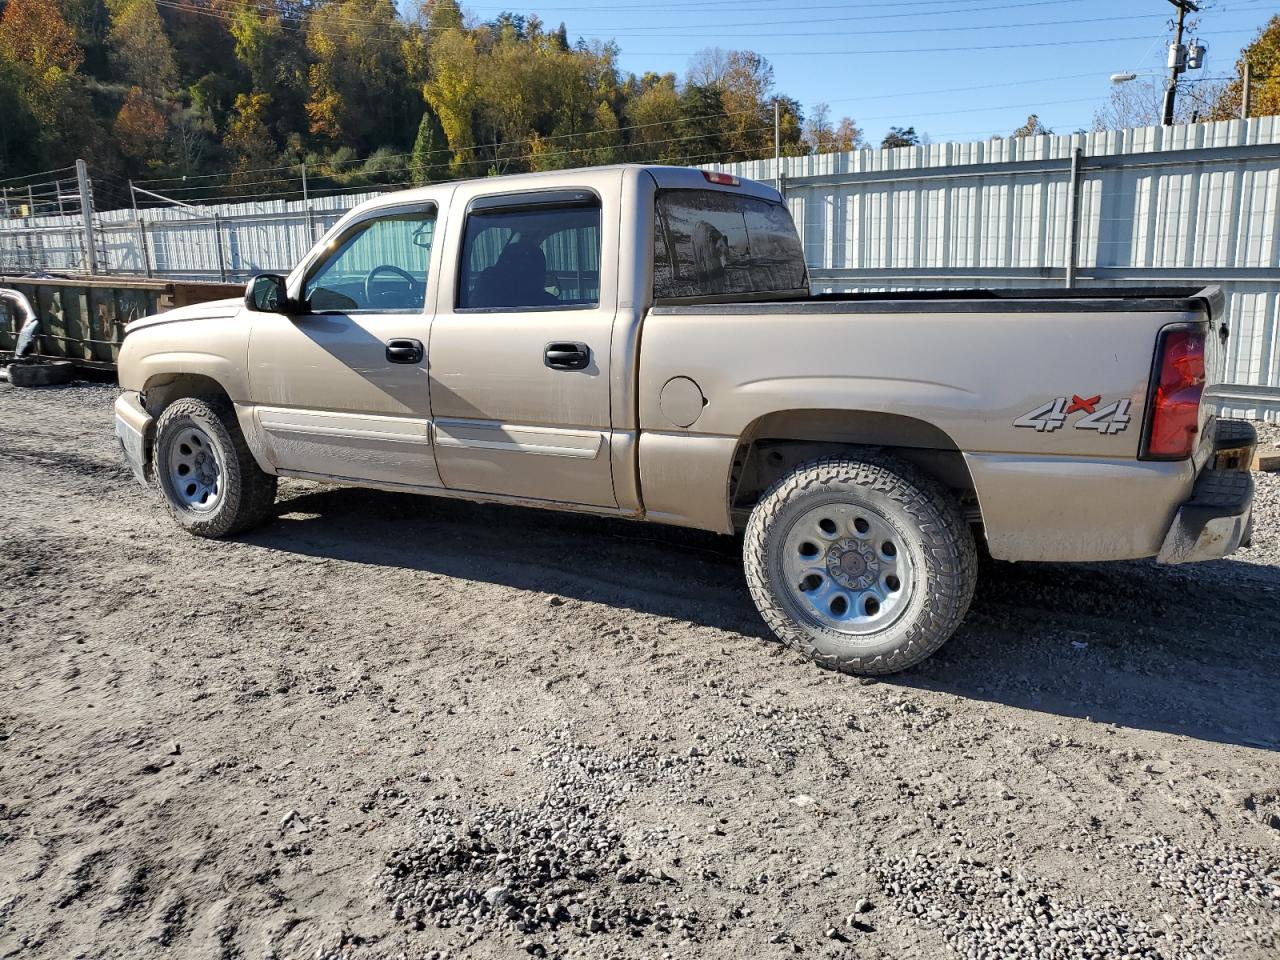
{"x": 211, "y": 484}
{"x": 863, "y": 564}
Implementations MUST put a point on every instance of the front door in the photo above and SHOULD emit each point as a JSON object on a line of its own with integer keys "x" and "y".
{"x": 342, "y": 390}
{"x": 520, "y": 364}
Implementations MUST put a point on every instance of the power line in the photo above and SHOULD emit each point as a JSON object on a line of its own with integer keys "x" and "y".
{"x": 33, "y": 176}
{"x": 660, "y": 123}
{"x": 573, "y": 151}
{"x": 271, "y": 10}
{"x": 408, "y": 30}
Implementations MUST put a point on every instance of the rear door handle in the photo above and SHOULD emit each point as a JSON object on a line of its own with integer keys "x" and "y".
{"x": 404, "y": 351}
{"x": 567, "y": 356}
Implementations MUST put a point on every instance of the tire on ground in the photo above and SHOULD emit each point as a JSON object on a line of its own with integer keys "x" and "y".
{"x": 46, "y": 373}
{"x": 926, "y": 520}
{"x": 248, "y": 493}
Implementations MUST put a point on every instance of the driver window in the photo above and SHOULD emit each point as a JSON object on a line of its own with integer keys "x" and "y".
{"x": 380, "y": 266}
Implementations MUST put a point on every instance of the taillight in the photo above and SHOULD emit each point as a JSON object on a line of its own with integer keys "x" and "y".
{"x": 1173, "y": 411}
{"x": 724, "y": 179}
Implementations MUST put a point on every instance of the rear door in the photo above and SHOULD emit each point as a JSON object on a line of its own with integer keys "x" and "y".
{"x": 342, "y": 389}
{"x": 520, "y": 358}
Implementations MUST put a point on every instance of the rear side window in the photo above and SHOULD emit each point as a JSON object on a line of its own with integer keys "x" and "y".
{"x": 535, "y": 258}
{"x": 709, "y": 243}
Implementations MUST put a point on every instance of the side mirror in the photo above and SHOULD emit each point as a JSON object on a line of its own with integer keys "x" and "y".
{"x": 266, "y": 293}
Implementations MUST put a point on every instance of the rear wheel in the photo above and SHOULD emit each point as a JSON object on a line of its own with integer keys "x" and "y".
{"x": 863, "y": 564}
{"x": 211, "y": 484}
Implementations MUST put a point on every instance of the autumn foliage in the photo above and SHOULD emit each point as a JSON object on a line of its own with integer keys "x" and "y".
{"x": 236, "y": 95}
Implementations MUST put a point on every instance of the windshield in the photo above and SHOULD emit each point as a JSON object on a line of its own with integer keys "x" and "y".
{"x": 709, "y": 243}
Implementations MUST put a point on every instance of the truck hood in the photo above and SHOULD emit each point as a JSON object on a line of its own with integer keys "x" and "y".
{"x": 211, "y": 310}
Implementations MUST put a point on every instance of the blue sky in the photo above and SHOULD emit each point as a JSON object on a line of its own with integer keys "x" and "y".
{"x": 879, "y": 61}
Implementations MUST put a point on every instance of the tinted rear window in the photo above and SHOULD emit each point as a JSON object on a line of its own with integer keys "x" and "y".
{"x": 709, "y": 243}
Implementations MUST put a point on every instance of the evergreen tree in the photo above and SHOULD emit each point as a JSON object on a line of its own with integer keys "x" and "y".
{"x": 431, "y": 157}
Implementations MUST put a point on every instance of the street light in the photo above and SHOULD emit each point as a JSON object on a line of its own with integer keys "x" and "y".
{"x": 1123, "y": 77}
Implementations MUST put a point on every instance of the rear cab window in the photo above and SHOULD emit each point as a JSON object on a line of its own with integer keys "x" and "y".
{"x": 712, "y": 244}
{"x": 531, "y": 253}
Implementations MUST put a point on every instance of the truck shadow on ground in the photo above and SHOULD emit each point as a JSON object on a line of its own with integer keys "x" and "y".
{"x": 1185, "y": 650}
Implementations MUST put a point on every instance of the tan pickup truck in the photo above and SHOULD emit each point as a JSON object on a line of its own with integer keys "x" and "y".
{"x": 642, "y": 342}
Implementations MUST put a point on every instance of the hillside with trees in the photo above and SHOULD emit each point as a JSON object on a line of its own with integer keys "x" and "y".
{"x": 231, "y": 98}
{"x": 148, "y": 89}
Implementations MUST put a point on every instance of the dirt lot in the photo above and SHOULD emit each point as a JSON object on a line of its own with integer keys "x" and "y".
{"x": 392, "y": 726}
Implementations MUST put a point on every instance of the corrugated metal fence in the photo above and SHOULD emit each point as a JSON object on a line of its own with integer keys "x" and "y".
{"x": 1193, "y": 204}
{"x": 226, "y": 242}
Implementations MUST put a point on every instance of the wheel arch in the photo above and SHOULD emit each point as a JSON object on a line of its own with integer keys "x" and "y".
{"x": 162, "y": 389}
{"x": 774, "y": 444}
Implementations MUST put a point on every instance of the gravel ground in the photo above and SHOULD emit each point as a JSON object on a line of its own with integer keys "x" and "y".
{"x": 388, "y": 726}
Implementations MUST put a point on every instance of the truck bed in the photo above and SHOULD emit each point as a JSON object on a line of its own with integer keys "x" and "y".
{"x": 1179, "y": 299}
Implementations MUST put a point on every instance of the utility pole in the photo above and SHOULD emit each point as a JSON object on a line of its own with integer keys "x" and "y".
{"x": 143, "y": 254}
{"x": 777, "y": 143}
{"x": 1244, "y": 93}
{"x": 306, "y": 206}
{"x": 1177, "y": 58}
{"x": 86, "y": 217}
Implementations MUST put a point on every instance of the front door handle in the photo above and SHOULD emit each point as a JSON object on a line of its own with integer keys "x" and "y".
{"x": 404, "y": 351}
{"x": 567, "y": 356}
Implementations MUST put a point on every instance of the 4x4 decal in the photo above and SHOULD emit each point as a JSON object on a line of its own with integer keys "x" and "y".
{"x": 1109, "y": 419}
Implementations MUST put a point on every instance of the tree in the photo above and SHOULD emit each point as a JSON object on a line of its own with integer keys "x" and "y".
{"x": 512, "y": 94}
{"x": 653, "y": 113}
{"x": 744, "y": 91}
{"x": 452, "y": 90}
{"x": 140, "y": 125}
{"x": 822, "y": 137}
{"x": 744, "y": 80}
{"x": 257, "y": 32}
{"x": 19, "y": 127}
{"x": 248, "y": 138}
{"x": 603, "y": 144}
{"x": 38, "y": 57}
{"x": 33, "y": 33}
{"x": 360, "y": 92}
{"x": 431, "y": 157}
{"x": 1140, "y": 103}
{"x": 707, "y": 67}
{"x": 190, "y": 136}
{"x": 1032, "y": 128}
{"x": 900, "y": 137}
{"x": 1263, "y": 57}
{"x": 791, "y": 127}
{"x": 140, "y": 50}
{"x": 700, "y": 130}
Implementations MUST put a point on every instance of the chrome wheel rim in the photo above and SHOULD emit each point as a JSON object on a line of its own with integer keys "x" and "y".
{"x": 847, "y": 568}
{"x": 195, "y": 471}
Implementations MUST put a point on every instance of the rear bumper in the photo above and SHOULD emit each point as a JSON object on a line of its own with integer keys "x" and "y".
{"x": 133, "y": 430}
{"x": 1214, "y": 522}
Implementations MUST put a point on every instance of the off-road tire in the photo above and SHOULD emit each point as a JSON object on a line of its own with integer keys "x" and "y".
{"x": 249, "y": 493}
{"x": 930, "y": 525}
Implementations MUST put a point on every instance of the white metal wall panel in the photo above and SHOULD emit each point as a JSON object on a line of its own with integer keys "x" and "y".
{"x": 1178, "y": 222}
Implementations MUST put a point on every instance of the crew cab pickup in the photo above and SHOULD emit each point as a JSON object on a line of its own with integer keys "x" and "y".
{"x": 642, "y": 342}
